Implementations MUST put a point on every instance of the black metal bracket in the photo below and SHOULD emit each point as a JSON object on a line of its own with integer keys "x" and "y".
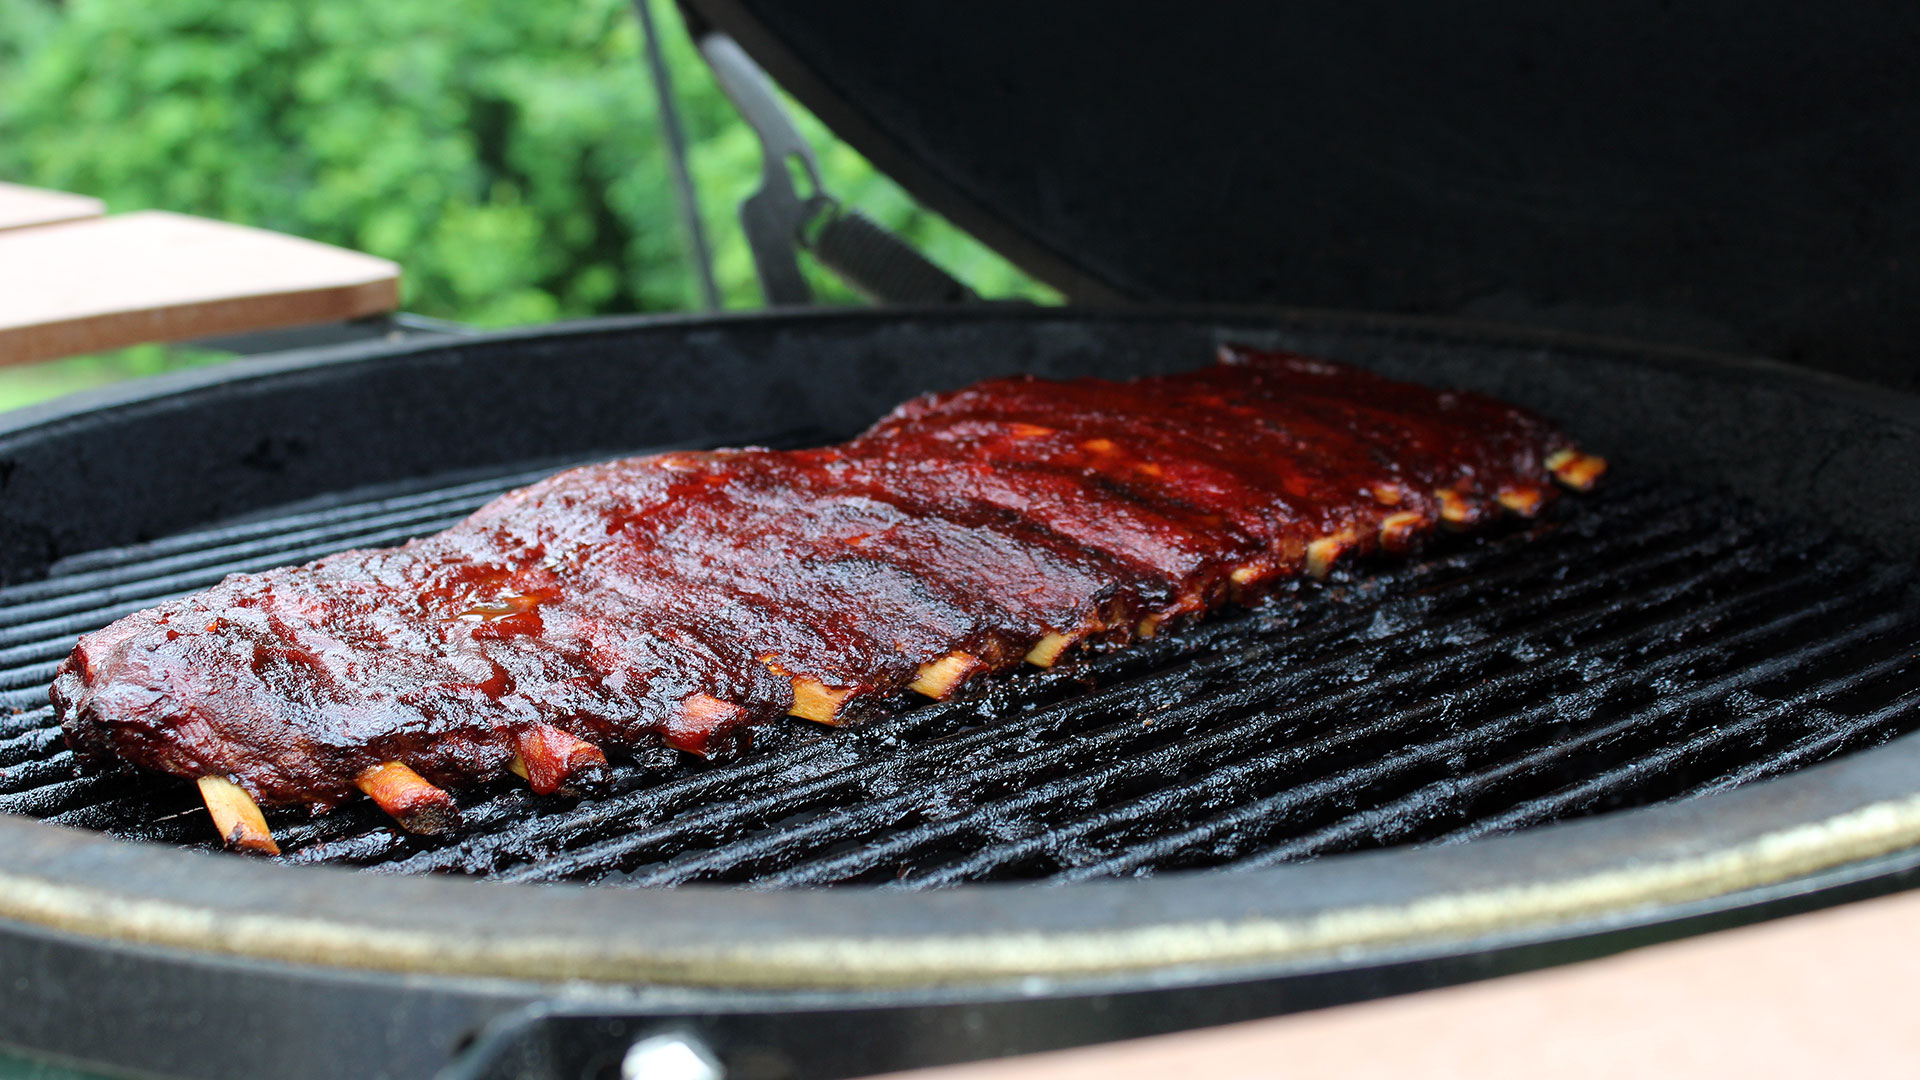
{"x": 780, "y": 220}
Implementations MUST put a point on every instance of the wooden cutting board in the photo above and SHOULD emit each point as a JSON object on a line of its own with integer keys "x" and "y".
{"x": 88, "y": 285}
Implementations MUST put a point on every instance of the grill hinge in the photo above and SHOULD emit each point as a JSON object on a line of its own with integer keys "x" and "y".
{"x": 780, "y": 221}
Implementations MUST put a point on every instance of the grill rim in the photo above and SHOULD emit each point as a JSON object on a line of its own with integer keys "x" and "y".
{"x": 133, "y": 393}
{"x": 1633, "y": 864}
{"x": 138, "y": 895}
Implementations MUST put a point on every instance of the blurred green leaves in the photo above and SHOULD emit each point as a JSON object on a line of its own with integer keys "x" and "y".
{"x": 25, "y": 384}
{"x": 506, "y": 154}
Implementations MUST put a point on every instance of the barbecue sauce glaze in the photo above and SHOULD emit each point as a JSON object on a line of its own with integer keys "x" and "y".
{"x": 684, "y": 597}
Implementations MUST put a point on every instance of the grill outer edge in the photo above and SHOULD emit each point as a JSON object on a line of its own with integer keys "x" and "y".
{"x": 141, "y": 895}
{"x": 677, "y": 377}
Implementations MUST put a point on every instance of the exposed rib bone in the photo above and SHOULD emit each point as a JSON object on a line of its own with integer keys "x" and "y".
{"x": 1046, "y": 652}
{"x": 1525, "y": 501}
{"x": 1576, "y": 470}
{"x": 242, "y": 826}
{"x": 938, "y": 679}
{"x": 553, "y": 760}
{"x": 1455, "y": 510}
{"x": 406, "y": 796}
{"x": 816, "y": 701}
{"x": 1324, "y": 552}
{"x": 706, "y": 725}
{"x": 1400, "y": 531}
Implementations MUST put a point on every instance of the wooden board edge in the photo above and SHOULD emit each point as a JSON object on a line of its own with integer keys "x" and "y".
{"x": 212, "y": 318}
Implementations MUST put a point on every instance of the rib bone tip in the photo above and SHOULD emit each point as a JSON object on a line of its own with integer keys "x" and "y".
{"x": 1455, "y": 509}
{"x": 938, "y": 679}
{"x": 408, "y": 798}
{"x": 816, "y": 701}
{"x": 1525, "y": 501}
{"x": 1399, "y": 531}
{"x": 242, "y": 826}
{"x": 706, "y": 725}
{"x": 1046, "y": 652}
{"x": 1324, "y": 552}
{"x": 553, "y": 760}
{"x": 1577, "y": 470}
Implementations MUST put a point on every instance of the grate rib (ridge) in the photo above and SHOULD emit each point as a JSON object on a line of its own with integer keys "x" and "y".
{"x": 1646, "y": 643}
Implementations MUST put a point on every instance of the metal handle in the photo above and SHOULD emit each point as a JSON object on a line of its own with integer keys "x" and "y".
{"x": 879, "y": 264}
{"x": 775, "y": 215}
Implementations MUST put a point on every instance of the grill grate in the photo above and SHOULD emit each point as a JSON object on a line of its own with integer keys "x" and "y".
{"x": 1643, "y": 644}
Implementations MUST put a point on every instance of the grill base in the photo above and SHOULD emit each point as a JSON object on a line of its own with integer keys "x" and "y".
{"x": 1642, "y": 644}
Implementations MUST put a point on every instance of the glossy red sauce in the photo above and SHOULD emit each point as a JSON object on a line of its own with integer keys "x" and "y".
{"x": 681, "y": 597}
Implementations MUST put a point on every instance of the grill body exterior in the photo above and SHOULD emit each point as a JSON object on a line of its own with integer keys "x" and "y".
{"x": 329, "y": 970}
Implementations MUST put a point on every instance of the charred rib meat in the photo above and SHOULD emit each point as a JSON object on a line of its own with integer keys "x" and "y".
{"x": 683, "y": 597}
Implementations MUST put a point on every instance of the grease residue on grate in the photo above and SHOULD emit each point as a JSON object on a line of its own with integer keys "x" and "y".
{"x": 1641, "y": 644}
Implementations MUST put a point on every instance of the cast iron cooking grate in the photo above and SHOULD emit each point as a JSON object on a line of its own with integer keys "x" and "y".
{"x": 1640, "y": 644}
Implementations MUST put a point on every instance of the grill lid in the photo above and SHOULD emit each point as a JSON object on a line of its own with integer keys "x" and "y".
{"x": 1736, "y": 176}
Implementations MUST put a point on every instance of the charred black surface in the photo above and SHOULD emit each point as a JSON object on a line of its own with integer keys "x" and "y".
{"x": 1645, "y": 643}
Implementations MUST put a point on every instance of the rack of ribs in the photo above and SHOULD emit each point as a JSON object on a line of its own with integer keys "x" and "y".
{"x": 687, "y": 597}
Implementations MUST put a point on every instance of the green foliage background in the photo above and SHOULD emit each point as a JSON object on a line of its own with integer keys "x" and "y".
{"x": 506, "y": 154}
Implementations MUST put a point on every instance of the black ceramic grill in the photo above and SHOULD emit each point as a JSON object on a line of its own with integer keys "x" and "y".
{"x": 1674, "y": 706}
{"x": 1674, "y": 703}
{"x": 1645, "y": 643}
